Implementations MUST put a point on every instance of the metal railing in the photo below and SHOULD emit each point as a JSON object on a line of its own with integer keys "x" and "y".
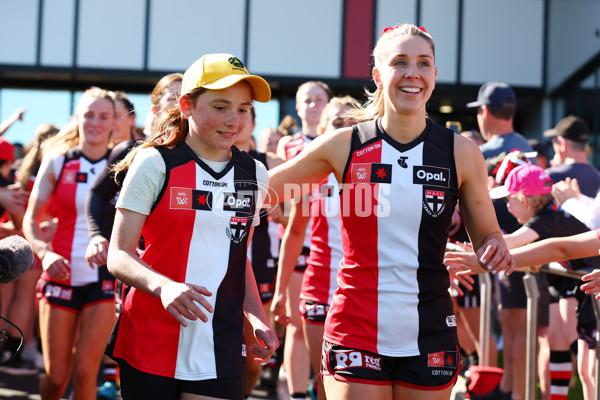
{"x": 532, "y": 291}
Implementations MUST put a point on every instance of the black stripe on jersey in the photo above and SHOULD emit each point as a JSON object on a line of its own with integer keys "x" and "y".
{"x": 438, "y": 327}
{"x": 228, "y": 323}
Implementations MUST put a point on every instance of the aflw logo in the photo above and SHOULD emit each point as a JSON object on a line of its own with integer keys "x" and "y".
{"x": 181, "y": 199}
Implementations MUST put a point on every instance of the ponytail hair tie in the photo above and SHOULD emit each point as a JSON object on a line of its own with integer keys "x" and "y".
{"x": 391, "y": 28}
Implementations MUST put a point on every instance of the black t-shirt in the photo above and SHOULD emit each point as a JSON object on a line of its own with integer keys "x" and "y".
{"x": 548, "y": 223}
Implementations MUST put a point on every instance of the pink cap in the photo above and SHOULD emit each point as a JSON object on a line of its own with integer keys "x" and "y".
{"x": 528, "y": 179}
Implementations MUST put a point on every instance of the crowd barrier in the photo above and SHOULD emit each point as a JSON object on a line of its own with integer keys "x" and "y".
{"x": 532, "y": 291}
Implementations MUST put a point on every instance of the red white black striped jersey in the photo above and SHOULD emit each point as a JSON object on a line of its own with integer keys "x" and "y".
{"x": 196, "y": 233}
{"x": 319, "y": 281}
{"x": 397, "y": 202}
{"x": 75, "y": 175}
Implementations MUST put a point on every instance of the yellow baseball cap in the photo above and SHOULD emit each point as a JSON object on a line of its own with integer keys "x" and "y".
{"x": 220, "y": 71}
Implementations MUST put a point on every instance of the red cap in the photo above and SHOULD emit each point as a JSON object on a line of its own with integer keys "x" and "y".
{"x": 7, "y": 150}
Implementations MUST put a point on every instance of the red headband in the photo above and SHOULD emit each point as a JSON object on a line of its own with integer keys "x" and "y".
{"x": 391, "y": 28}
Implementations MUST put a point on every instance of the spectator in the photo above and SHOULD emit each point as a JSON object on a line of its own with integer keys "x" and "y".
{"x": 496, "y": 104}
{"x": 570, "y": 139}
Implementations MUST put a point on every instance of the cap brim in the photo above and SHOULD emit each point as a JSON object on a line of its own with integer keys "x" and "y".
{"x": 260, "y": 88}
{"x": 499, "y": 192}
{"x": 550, "y": 133}
{"x": 475, "y": 104}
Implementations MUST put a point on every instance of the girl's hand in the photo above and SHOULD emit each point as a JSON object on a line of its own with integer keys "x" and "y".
{"x": 182, "y": 301}
{"x": 267, "y": 343}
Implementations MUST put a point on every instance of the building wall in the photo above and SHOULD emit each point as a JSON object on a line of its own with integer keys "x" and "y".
{"x": 476, "y": 40}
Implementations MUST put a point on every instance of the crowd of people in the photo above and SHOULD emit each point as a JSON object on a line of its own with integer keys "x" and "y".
{"x": 195, "y": 262}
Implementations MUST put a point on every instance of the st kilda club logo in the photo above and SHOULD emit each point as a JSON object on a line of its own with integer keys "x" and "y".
{"x": 237, "y": 229}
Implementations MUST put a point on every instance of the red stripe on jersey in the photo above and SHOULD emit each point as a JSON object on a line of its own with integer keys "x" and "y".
{"x": 62, "y": 205}
{"x": 361, "y": 260}
{"x": 162, "y": 234}
{"x": 358, "y": 38}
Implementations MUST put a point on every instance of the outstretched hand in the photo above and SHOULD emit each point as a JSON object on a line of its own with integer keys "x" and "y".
{"x": 593, "y": 283}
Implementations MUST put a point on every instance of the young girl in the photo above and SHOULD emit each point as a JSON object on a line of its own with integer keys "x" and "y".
{"x": 75, "y": 301}
{"x": 194, "y": 197}
{"x": 390, "y": 332}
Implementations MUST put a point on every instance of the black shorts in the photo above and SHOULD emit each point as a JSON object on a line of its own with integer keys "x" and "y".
{"x": 561, "y": 287}
{"x": 313, "y": 312}
{"x": 136, "y": 384}
{"x": 511, "y": 290}
{"x": 75, "y": 298}
{"x": 432, "y": 371}
{"x": 588, "y": 333}
{"x": 301, "y": 263}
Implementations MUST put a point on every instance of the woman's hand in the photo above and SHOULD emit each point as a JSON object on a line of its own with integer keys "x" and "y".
{"x": 56, "y": 266}
{"x": 181, "y": 300}
{"x": 278, "y": 308}
{"x": 97, "y": 251}
{"x": 494, "y": 256}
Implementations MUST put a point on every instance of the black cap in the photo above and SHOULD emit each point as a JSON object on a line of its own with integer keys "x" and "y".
{"x": 495, "y": 94}
{"x": 572, "y": 128}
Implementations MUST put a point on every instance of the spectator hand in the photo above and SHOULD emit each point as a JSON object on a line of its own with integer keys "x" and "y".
{"x": 19, "y": 113}
{"x": 13, "y": 198}
{"x": 457, "y": 278}
{"x": 593, "y": 283}
{"x": 563, "y": 190}
{"x": 182, "y": 300}
{"x": 97, "y": 251}
{"x": 463, "y": 261}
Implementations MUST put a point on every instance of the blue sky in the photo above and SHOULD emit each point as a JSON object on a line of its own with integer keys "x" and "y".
{"x": 52, "y": 106}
